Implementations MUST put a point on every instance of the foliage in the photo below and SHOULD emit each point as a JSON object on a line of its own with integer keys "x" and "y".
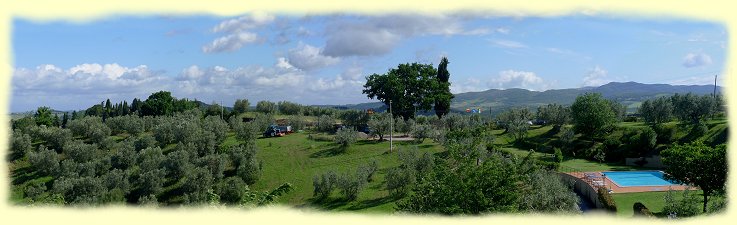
{"x": 44, "y": 160}
{"x": 289, "y": 108}
{"x": 241, "y": 106}
{"x": 691, "y": 108}
{"x": 399, "y": 181}
{"x": 409, "y": 87}
{"x": 20, "y": 145}
{"x": 129, "y": 124}
{"x": 545, "y": 192}
{"x": 354, "y": 118}
{"x": 43, "y": 116}
{"x": 158, "y": 104}
{"x": 54, "y": 137}
{"x": 368, "y": 170}
{"x": 466, "y": 189}
{"x": 554, "y": 114}
{"x": 324, "y": 184}
{"x": 346, "y": 136}
{"x": 232, "y": 190}
{"x": 558, "y": 155}
{"x": 244, "y": 159}
{"x": 442, "y": 91}
{"x": 516, "y": 121}
{"x": 697, "y": 164}
{"x": 246, "y": 132}
{"x": 198, "y": 182}
{"x": 380, "y": 125}
{"x": 656, "y": 111}
{"x": 91, "y": 127}
{"x": 266, "y": 107}
{"x": 640, "y": 209}
{"x": 606, "y": 199}
{"x": 24, "y": 124}
{"x": 325, "y": 123}
{"x": 592, "y": 115}
{"x": 79, "y": 151}
{"x": 80, "y": 190}
{"x": 420, "y": 132}
{"x": 685, "y": 207}
{"x": 351, "y": 185}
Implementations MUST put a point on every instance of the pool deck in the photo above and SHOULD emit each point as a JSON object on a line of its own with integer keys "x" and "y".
{"x": 598, "y": 181}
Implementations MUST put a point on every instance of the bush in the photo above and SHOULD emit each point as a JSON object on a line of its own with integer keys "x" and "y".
{"x": 607, "y": 200}
{"x": 246, "y": 132}
{"x": 350, "y": 186}
{"x": 558, "y": 155}
{"x": 325, "y": 123}
{"x": 665, "y": 134}
{"x": 80, "y": 152}
{"x": 91, "y": 127}
{"x": 232, "y": 190}
{"x": 44, "y": 160}
{"x": 297, "y": 122}
{"x": 420, "y": 132}
{"x": 216, "y": 126}
{"x": 21, "y": 144}
{"x": 640, "y": 209}
{"x": 324, "y": 184}
{"x": 199, "y": 182}
{"x": 368, "y": 170}
{"x": 399, "y": 181}
{"x": 54, "y": 137}
{"x": 81, "y": 190}
{"x": 686, "y": 207}
{"x": 130, "y": 124}
{"x": 346, "y": 136}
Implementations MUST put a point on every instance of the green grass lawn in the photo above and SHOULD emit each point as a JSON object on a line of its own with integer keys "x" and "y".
{"x": 583, "y": 165}
{"x": 654, "y": 201}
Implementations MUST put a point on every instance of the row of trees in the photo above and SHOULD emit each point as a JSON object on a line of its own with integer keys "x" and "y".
{"x": 87, "y": 166}
{"x": 688, "y": 108}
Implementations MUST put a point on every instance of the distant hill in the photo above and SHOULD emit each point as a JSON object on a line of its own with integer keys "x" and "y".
{"x": 494, "y": 101}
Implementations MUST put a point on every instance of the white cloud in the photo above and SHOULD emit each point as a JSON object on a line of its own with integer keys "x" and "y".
{"x": 508, "y": 44}
{"x": 595, "y": 77}
{"x": 238, "y": 32}
{"x": 502, "y": 30}
{"x": 231, "y": 42}
{"x": 307, "y": 57}
{"x": 378, "y": 35}
{"x": 517, "y": 79}
{"x": 468, "y": 85}
{"x": 243, "y": 23}
{"x": 696, "y": 60}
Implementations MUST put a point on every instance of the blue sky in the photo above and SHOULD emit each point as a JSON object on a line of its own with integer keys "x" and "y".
{"x": 323, "y": 59}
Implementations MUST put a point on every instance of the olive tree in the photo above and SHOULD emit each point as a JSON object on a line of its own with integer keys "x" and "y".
{"x": 592, "y": 115}
{"x": 44, "y": 160}
{"x": 380, "y": 125}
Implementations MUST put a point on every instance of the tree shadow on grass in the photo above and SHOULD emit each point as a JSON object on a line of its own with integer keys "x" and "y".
{"x": 328, "y": 203}
{"x": 25, "y": 174}
{"x": 329, "y": 152}
{"x": 372, "y": 203}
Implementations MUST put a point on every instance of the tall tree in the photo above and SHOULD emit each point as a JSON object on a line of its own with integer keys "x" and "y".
{"x": 697, "y": 164}
{"x": 43, "y": 116}
{"x": 443, "y": 95}
{"x": 655, "y": 111}
{"x": 592, "y": 114}
{"x": 409, "y": 87}
{"x": 64, "y": 120}
{"x": 158, "y": 104}
{"x": 241, "y": 105}
{"x": 516, "y": 121}
{"x": 126, "y": 108}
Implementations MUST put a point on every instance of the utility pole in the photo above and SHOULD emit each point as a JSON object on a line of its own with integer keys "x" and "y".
{"x": 222, "y": 108}
{"x": 715, "y": 86}
{"x": 391, "y": 127}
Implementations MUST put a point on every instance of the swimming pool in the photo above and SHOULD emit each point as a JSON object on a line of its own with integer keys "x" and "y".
{"x": 638, "y": 178}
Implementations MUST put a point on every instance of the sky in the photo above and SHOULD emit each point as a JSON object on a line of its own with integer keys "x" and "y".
{"x": 324, "y": 59}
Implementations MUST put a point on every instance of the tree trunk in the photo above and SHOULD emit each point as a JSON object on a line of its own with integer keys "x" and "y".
{"x": 706, "y": 195}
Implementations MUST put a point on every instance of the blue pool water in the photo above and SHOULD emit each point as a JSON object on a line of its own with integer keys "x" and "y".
{"x": 637, "y": 178}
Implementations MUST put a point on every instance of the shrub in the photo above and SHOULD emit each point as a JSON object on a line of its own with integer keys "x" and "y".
{"x": 130, "y": 124}
{"x": 81, "y": 190}
{"x": 558, "y": 155}
{"x": 665, "y": 134}
{"x": 54, "y": 137}
{"x": 686, "y": 207}
{"x": 368, "y": 170}
{"x": 325, "y": 123}
{"x": 21, "y": 144}
{"x": 346, "y": 136}
{"x": 420, "y": 132}
{"x": 607, "y": 200}
{"x": 399, "y": 181}
{"x": 177, "y": 164}
{"x": 199, "y": 182}
{"x": 44, "y": 160}
{"x": 297, "y": 122}
{"x": 324, "y": 184}
{"x": 350, "y": 185}
{"x": 232, "y": 190}
{"x": 246, "y": 132}
{"x": 91, "y": 127}
{"x": 216, "y": 126}
{"x": 640, "y": 209}
{"x": 79, "y": 151}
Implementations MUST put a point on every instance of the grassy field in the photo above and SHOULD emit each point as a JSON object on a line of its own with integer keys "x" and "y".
{"x": 296, "y": 159}
{"x": 654, "y": 201}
